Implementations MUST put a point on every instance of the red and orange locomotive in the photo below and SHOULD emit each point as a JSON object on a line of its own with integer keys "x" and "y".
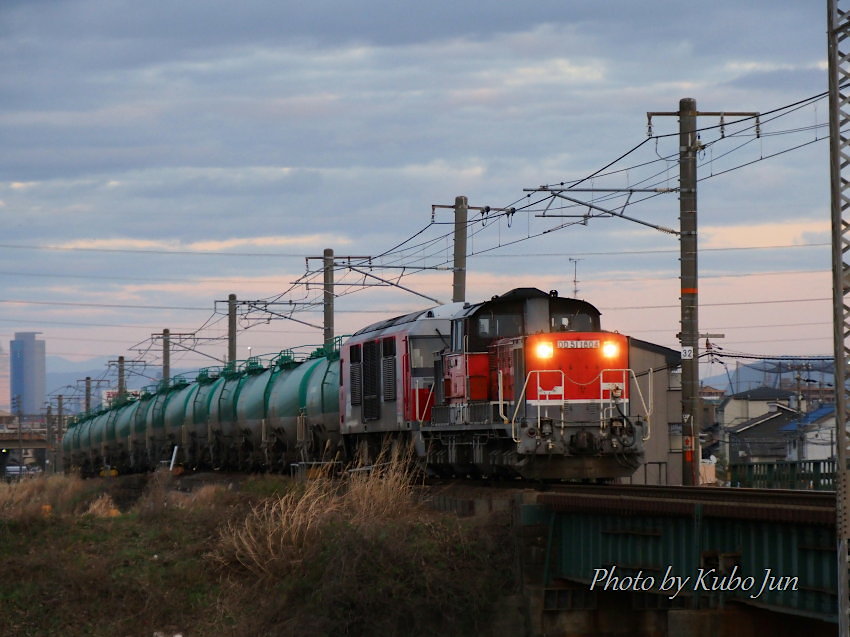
{"x": 524, "y": 384}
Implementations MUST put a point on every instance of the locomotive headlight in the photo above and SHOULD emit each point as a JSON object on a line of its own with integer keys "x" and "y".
{"x": 610, "y": 349}
{"x": 544, "y": 350}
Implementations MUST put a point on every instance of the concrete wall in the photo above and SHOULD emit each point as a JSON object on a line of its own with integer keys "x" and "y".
{"x": 662, "y": 465}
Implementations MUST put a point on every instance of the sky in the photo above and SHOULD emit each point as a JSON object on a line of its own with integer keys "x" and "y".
{"x": 158, "y": 156}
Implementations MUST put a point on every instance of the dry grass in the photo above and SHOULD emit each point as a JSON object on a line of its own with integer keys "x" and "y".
{"x": 30, "y": 499}
{"x": 103, "y": 507}
{"x": 356, "y": 556}
{"x": 268, "y": 541}
{"x": 352, "y": 556}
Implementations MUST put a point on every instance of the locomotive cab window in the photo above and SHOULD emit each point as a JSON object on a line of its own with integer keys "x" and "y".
{"x": 424, "y": 350}
{"x": 457, "y": 335}
{"x": 573, "y": 322}
{"x": 492, "y": 326}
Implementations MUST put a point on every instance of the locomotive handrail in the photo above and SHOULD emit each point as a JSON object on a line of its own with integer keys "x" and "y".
{"x": 648, "y": 411}
{"x": 502, "y": 400}
{"x": 427, "y": 400}
{"x": 629, "y": 373}
{"x": 522, "y": 395}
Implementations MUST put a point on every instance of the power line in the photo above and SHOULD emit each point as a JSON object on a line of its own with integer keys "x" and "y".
{"x": 655, "y": 251}
{"x": 194, "y": 253}
{"x": 105, "y": 305}
{"x": 725, "y": 304}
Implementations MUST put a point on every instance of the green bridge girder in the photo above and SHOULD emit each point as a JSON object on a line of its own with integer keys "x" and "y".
{"x": 676, "y": 539}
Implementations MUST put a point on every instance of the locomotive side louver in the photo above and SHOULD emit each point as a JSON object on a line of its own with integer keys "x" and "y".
{"x": 356, "y": 375}
{"x": 388, "y": 377}
{"x": 371, "y": 381}
{"x": 356, "y": 384}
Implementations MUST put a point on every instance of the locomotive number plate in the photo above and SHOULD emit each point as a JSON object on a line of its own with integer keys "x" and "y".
{"x": 578, "y": 344}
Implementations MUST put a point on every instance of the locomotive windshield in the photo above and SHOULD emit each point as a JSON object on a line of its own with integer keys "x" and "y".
{"x": 495, "y": 325}
{"x": 572, "y": 322}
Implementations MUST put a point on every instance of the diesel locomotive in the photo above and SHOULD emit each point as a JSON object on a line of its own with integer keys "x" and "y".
{"x": 525, "y": 384}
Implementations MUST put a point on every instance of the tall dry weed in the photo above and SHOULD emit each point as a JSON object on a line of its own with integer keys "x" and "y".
{"x": 103, "y": 507}
{"x": 271, "y": 539}
{"x": 28, "y": 499}
{"x": 157, "y": 496}
{"x": 385, "y": 491}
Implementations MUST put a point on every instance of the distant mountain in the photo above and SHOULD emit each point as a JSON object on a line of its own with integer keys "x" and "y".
{"x": 59, "y": 364}
{"x": 769, "y": 373}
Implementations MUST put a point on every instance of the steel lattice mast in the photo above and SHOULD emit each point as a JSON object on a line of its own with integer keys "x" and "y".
{"x": 838, "y": 29}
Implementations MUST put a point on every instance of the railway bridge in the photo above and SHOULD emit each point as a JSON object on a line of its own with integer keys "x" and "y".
{"x": 23, "y": 440}
{"x": 610, "y": 560}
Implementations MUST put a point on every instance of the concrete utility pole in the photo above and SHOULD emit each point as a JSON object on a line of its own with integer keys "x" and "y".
{"x": 19, "y": 409}
{"x": 459, "y": 281}
{"x": 838, "y": 30}
{"x": 689, "y": 146}
{"x": 328, "y": 265}
{"x": 60, "y": 421}
{"x": 462, "y": 208}
{"x": 88, "y": 394}
{"x": 166, "y": 356}
{"x": 689, "y": 336}
{"x": 231, "y": 328}
{"x": 50, "y": 452}
{"x": 122, "y": 382}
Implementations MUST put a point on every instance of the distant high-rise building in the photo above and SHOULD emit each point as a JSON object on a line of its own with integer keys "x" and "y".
{"x": 28, "y": 377}
{"x": 5, "y": 391}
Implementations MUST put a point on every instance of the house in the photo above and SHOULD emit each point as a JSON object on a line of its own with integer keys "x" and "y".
{"x": 812, "y": 435}
{"x": 746, "y": 405}
{"x": 764, "y": 438}
{"x": 711, "y": 394}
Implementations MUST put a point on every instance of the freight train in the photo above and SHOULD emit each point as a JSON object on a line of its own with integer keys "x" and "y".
{"x": 526, "y": 384}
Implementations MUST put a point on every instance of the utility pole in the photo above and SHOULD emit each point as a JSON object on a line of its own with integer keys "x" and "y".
{"x": 60, "y": 421}
{"x": 838, "y": 58}
{"x": 87, "y": 385}
{"x": 689, "y": 336}
{"x": 459, "y": 280}
{"x": 51, "y": 439}
{"x": 231, "y": 328}
{"x": 18, "y": 407}
{"x": 122, "y": 381}
{"x": 328, "y": 331}
{"x": 689, "y": 146}
{"x": 122, "y": 364}
{"x": 166, "y": 356}
{"x": 461, "y": 207}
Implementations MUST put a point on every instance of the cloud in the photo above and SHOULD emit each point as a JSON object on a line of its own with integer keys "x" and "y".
{"x": 204, "y": 246}
{"x": 765, "y": 234}
{"x": 288, "y": 127}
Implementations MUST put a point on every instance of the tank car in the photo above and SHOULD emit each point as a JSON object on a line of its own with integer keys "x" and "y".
{"x": 244, "y": 417}
{"x": 525, "y": 384}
